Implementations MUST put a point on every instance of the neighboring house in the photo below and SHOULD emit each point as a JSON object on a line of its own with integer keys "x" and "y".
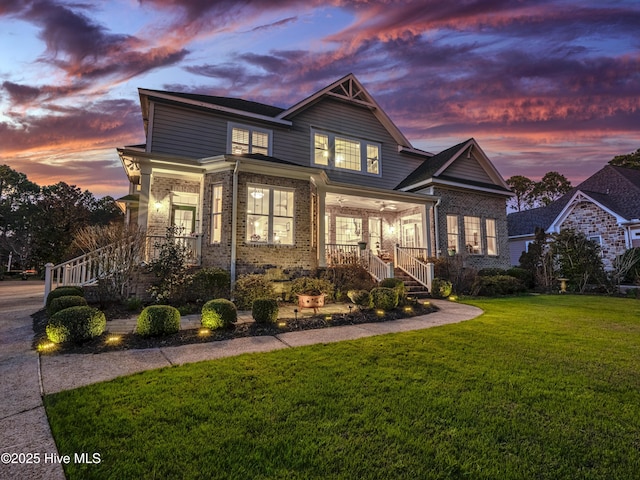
{"x": 605, "y": 207}
{"x": 254, "y": 186}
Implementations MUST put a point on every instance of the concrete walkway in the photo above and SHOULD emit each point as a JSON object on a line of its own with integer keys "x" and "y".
{"x": 25, "y": 376}
{"x": 23, "y": 422}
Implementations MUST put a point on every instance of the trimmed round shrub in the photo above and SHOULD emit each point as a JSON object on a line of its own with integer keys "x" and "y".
{"x": 384, "y": 298}
{"x": 76, "y": 324}
{"x": 62, "y": 292}
{"x": 67, "y": 301}
{"x": 362, "y": 298}
{"x": 249, "y": 287}
{"x": 497, "y": 285}
{"x": 265, "y": 310}
{"x": 156, "y": 320}
{"x": 312, "y": 286}
{"x": 441, "y": 288}
{"x": 397, "y": 285}
{"x": 219, "y": 313}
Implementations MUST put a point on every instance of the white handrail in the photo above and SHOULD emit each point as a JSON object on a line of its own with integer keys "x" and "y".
{"x": 342, "y": 254}
{"x": 378, "y": 268}
{"x": 421, "y": 271}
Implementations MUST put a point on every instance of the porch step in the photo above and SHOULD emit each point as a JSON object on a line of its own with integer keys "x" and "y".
{"x": 414, "y": 288}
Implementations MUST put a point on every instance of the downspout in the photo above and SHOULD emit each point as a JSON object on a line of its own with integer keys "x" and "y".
{"x": 436, "y": 229}
{"x": 234, "y": 225}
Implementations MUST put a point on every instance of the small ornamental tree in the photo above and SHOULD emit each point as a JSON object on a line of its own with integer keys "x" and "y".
{"x": 170, "y": 267}
{"x": 578, "y": 258}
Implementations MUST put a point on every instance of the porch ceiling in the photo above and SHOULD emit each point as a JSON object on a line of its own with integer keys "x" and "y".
{"x": 367, "y": 203}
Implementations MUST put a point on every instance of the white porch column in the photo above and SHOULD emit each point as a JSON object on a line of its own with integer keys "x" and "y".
{"x": 322, "y": 257}
{"x": 145, "y": 198}
{"x": 426, "y": 228}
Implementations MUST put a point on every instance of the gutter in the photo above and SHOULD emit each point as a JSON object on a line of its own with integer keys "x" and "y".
{"x": 234, "y": 225}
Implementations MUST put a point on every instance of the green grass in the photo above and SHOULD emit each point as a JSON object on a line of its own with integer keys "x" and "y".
{"x": 543, "y": 387}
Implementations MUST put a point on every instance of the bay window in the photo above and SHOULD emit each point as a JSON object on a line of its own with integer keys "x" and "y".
{"x": 270, "y": 215}
{"x": 472, "y": 237}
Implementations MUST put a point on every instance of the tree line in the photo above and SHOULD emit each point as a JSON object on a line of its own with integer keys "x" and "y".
{"x": 38, "y": 223}
{"x": 531, "y": 194}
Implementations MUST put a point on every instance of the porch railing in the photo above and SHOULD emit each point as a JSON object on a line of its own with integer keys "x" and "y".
{"x": 378, "y": 268}
{"x": 421, "y": 271}
{"x": 339, "y": 254}
{"x": 191, "y": 243}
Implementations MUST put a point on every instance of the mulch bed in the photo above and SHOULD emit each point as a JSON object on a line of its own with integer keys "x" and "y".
{"x": 191, "y": 336}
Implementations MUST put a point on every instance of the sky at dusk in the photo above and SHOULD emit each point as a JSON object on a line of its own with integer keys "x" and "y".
{"x": 541, "y": 85}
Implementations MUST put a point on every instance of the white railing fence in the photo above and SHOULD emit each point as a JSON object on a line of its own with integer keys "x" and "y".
{"x": 378, "y": 268}
{"x": 421, "y": 271}
{"x": 191, "y": 243}
{"x": 339, "y": 254}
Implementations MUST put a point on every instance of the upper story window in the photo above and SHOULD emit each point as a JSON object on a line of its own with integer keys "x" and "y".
{"x": 248, "y": 139}
{"x": 339, "y": 152}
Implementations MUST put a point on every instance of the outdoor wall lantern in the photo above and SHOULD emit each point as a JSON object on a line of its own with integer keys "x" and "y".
{"x": 158, "y": 206}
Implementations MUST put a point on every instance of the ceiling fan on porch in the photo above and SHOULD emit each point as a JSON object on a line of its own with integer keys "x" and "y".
{"x": 384, "y": 206}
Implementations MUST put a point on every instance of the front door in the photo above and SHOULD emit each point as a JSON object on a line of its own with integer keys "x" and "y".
{"x": 184, "y": 218}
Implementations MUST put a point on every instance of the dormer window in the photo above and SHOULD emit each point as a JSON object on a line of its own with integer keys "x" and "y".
{"x": 245, "y": 139}
{"x": 343, "y": 153}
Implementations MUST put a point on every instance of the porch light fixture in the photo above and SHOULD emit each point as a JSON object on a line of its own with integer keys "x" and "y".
{"x": 158, "y": 206}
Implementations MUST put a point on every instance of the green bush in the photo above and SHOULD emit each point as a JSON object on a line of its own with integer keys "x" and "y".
{"x": 62, "y": 292}
{"x": 346, "y": 278}
{"x": 525, "y": 276}
{"x": 250, "y": 287}
{"x": 312, "y": 286}
{"x": 66, "y": 301}
{"x": 76, "y": 324}
{"x": 265, "y": 310}
{"x": 219, "y": 313}
{"x": 441, "y": 288}
{"x": 158, "y": 320}
{"x": 134, "y": 304}
{"x": 397, "y": 285}
{"x": 497, "y": 285}
{"x": 384, "y": 298}
{"x": 491, "y": 272}
{"x": 362, "y": 298}
{"x": 209, "y": 283}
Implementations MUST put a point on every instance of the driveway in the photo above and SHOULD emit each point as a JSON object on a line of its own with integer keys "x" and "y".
{"x": 23, "y": 421}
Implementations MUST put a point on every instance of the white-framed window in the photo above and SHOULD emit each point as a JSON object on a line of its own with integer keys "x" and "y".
{"x": 348, "y": 230}
{"x": 492, "y": 237}
{"x": 248, "y": 139}
{"x": 597, "y": 239}
{"x": 472, "y": 237}
{"x": 344, "y": 153}
{"x": 216, "y": 214}
{"x": 453, "y": 235}
{"x": 270, "y": 215}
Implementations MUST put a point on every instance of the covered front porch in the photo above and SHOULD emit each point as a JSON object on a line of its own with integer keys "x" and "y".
{"x": 379, "y": 232}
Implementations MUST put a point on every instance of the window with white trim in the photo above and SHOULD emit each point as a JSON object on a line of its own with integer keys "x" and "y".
{"x": 216, "y": 214}
{"x": 343, "y": 153}
{"x": 492, "y": 237}
{"x": 270, "y": 215}
{"x": 453, "y": 235}
{"x": 247, "y": 139}
{"x": 348, "y": 230}
{"x": 472, "y": 238}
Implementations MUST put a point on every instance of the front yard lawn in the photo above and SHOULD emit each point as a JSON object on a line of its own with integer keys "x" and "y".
{"x": 544, "y": 387}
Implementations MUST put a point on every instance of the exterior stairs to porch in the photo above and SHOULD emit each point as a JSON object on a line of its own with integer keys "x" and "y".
{"x": 414, "y": 288}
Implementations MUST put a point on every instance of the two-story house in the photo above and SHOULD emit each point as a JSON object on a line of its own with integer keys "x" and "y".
{"x": 254, "y": 186}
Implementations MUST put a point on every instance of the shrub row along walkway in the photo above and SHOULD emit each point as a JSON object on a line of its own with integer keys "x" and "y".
{"x": 68, "y": 371}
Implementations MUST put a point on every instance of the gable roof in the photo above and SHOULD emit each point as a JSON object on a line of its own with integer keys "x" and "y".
{"x": 349, "y": 89}
{"x": 615, "y": 188}
{"x": 434, "y": 170}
